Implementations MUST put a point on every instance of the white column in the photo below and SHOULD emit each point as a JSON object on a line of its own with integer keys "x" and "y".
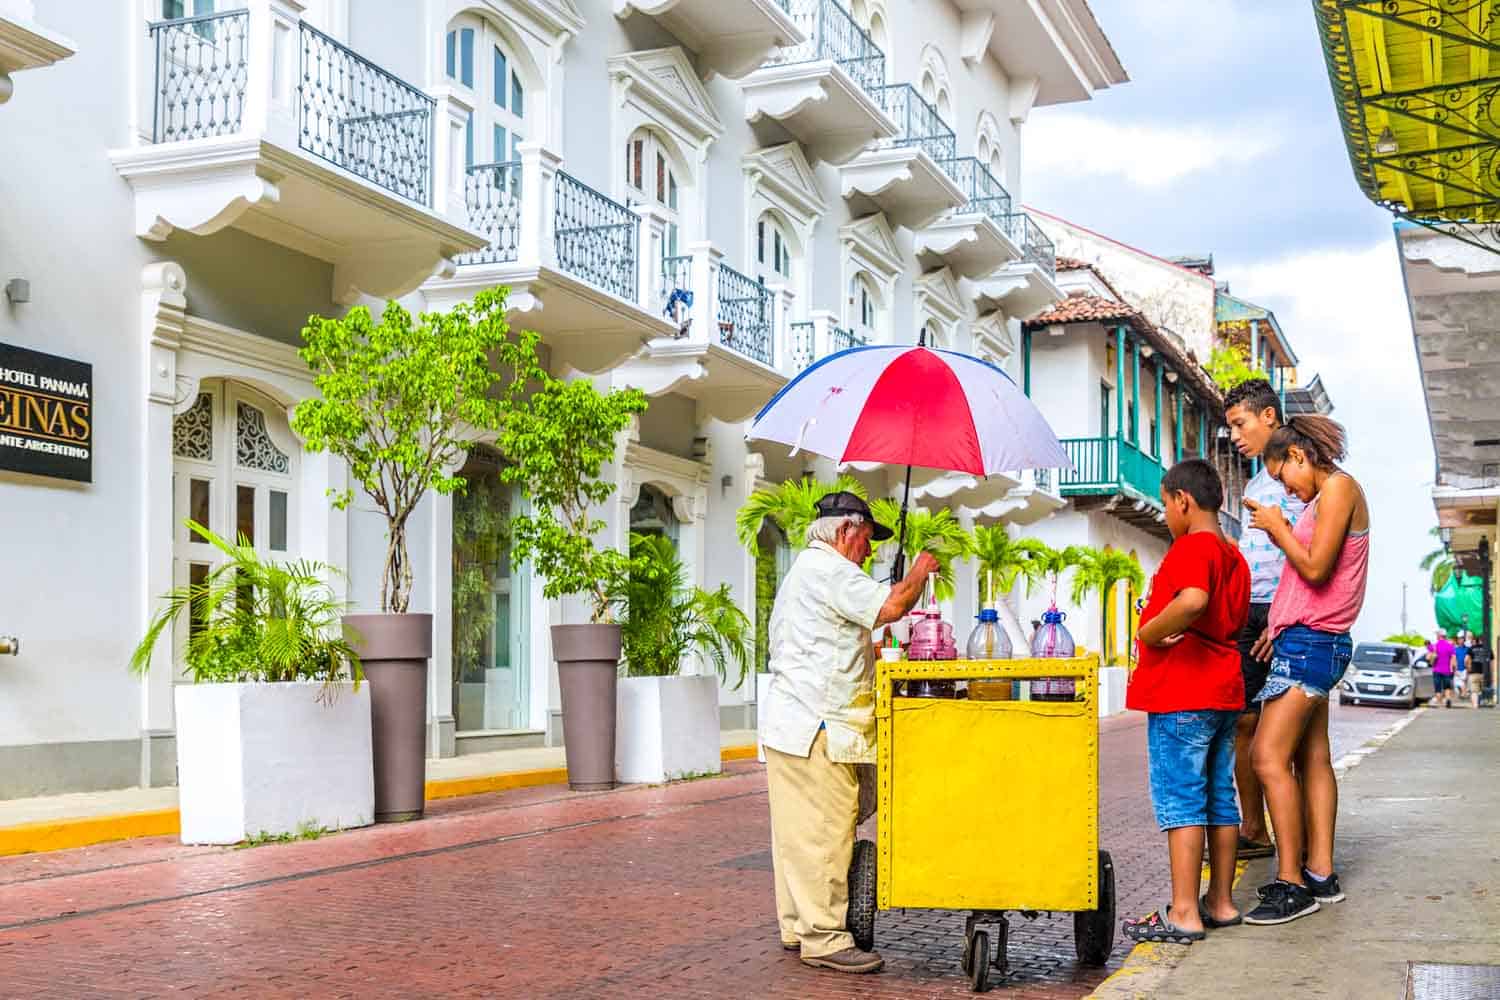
{"x": 823, "y": 323}
{"x": 783, "y": 301}
{"x": 448, "y": 159}
{"x": 705, "y": 281}
{"x": 538, "y": 240}
{"x": 648, "y": 256}
{"x": 274, "y": 54}
{"x": 440, "y": 722}
{"x": 163, "y": 313}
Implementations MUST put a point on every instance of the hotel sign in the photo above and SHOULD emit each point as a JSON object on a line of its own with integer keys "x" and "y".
{"x": 46, "y": 418}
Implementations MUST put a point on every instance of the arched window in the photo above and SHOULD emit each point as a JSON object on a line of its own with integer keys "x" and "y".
{"x": 480, "y": 60}
{"x": 863, "y": 312}
{"x": 653, "y": 514}
{"x": 982, "y": 150}
{"x": 773, "y": 250}
{"x": 651, "y": 178}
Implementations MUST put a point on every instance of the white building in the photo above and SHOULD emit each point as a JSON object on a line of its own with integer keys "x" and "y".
{"x": 204, "y": 174}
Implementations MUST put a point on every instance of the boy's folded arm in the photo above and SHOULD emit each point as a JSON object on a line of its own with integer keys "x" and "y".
{"x": 1179, "y": 614}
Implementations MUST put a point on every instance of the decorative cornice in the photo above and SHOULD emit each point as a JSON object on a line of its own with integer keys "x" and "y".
{"x": 669, "y": 90}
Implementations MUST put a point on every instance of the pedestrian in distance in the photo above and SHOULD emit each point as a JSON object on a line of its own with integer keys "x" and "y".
{"x": 1442, "y": 669}
{"x": 819, "y": 723}
{"x": 1253, "y": 412}
{"x": 1480, "y": 660}
{"x": 1319, "y": 597}
{"x": 1188, "y": 681}
{"x": 1460, "y": 664}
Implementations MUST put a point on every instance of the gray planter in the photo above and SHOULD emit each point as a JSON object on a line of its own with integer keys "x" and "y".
{"x": 394, "y": 650}
{"x": 588, "y": 663}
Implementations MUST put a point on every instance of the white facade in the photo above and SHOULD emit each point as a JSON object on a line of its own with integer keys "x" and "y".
{"x": 179, "y": 246}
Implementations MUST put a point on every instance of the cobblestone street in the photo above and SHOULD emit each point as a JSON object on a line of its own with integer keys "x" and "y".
{"x": 662, "y": 892}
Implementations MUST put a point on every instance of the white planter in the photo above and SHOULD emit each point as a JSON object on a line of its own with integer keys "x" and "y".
{"x": 668, "y": 727}
{"x": 1112, "y": 690}
{"x": 762, "y": 695}
{"x": 257, "y": 759}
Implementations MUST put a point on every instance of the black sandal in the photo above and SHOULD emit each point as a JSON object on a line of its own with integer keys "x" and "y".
{"x": 1158, "y": 929}
{"x": 1213, "y": 924}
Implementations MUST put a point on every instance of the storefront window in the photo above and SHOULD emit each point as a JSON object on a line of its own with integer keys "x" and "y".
{"x": 491, "y": 675}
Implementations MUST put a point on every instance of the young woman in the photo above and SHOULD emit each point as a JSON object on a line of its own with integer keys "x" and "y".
{"x": 1320, "y": 596}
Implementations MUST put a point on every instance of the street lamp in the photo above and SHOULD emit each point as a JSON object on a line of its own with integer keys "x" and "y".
{"x": 1385, "y": 142}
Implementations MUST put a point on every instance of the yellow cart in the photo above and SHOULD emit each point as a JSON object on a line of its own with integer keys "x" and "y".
{"x": 988, "y": 806}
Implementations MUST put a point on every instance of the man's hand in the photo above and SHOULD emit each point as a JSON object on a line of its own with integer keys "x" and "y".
{"x": 1263, "y": 648}
{"x": 925, "y": 565}
{"x": 1266, "y": 517}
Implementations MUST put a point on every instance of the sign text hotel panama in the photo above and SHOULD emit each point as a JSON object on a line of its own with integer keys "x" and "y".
{"x": 46, "y": 425}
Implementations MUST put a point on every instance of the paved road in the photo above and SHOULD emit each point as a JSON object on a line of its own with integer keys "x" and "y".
{"x": 661, "y": 892}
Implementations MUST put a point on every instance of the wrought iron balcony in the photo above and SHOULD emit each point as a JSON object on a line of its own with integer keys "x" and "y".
{"x": 1109, "y": 465}
{"x": 832, "y": 33}
{"x": 819, "y": 338}
{"x": 746, "y": 320}
{"x": 918, "y": 123}
{"x": 803, "y": 345}
{"x": 596, "y": 237}
{"x": 844, "y": 340}
{"x": 676, "y": 276}
{"x": 492, "y": 192}
{"x": 252, "y": 108}
{"x": 976, "y": 239}
{"x": 1036, "y": 248}
{"x": 987, "y": 196}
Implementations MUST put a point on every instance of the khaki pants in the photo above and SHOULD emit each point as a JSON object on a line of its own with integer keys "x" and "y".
{"x": 814, "y": 805}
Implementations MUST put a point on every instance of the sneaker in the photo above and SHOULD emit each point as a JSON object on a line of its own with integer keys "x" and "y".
{"x": 1324, "y": 890}
{"x": 848, "y": 960}
{"x": 1282, "y": 902}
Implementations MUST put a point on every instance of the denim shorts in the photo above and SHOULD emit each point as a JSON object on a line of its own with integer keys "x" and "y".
{"x": 1308, "y": 659}
{"x": 1192, "y": 768}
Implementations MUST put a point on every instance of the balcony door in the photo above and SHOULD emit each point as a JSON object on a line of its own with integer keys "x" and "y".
{"x": 479, "y": 59}
{"x": 651, "y": 179}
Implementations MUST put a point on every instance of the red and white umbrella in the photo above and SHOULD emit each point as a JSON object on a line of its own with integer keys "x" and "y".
{"x": 914, "y": 406}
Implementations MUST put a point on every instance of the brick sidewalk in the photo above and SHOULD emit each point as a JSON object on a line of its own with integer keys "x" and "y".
{"x": 663, "y": 892}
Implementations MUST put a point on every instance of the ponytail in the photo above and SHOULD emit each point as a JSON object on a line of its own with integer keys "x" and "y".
{"x": 1322, "y": 440}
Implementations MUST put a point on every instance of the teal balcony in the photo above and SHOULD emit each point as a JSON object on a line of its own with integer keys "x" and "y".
{"x": 1107, "y": 465}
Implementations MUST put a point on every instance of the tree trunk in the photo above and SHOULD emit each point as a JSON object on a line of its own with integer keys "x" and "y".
{"x": 395, "y": 581}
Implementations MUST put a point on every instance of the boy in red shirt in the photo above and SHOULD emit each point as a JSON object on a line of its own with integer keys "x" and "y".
{"x": 1189, "y": 682}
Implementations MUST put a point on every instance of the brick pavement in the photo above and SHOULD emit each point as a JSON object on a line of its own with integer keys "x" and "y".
{"x": 662, "y": 892}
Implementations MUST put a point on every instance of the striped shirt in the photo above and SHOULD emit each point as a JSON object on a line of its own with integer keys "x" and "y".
{"x": 1265, "y": 559}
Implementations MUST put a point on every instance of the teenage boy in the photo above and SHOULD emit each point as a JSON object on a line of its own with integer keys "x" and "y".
{"x": 1253, "y": 411}
{"x": 1188, "y": 681}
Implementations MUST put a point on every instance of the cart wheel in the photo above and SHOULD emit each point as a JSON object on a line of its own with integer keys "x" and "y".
{"x": 1094, "y": 930}
{"x": 861, "y": 919}
{"x": 978, "y": 953}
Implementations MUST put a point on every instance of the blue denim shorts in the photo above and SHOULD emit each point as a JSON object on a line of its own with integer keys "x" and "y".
{"x": 1308, "y": 659}
{"x": 1192, "y": 768}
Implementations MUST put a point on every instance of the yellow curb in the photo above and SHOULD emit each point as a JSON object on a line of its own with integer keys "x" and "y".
{"x": 62, "y": 834}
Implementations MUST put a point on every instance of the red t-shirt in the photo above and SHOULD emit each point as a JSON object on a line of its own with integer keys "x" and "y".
{"x": 1203, "y": 670}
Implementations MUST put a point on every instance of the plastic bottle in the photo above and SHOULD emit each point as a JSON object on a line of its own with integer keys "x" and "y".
{"x": 988, "y": 641}
{"x": 1052, "y": 641}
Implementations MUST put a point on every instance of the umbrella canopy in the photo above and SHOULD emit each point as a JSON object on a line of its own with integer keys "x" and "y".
{"x": 913, "y": 406}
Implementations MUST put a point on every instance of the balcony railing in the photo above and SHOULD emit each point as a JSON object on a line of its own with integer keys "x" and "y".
{"x": 202, "y": 71}
{"x": 357, "y": 116}
{"x": 596, "y": 237}
{"x": 1105, "y": 465}
{"x": 803, "y": 345}
{"x": 745, "y": 316}
{"x": 918, "y": 123}
{"x": 350, "y": 112}
{"x": 844, "y": 340}
{"x": 1036, "y": 248}
{"x": 832, "y": 33}
{"x": 986, "y": 195}
{"x": 676, "y": 275}
{"x": 493, "y": 193}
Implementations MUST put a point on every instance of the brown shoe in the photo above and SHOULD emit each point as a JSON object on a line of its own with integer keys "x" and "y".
{"x": 849, "y": 960}
{"x": 791, "y": 946}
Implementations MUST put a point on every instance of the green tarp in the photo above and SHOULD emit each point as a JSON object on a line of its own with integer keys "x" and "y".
{"x": 1460, "y": 604}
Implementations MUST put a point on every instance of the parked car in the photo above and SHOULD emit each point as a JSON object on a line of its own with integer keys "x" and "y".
{"x": 1385, "y": 674}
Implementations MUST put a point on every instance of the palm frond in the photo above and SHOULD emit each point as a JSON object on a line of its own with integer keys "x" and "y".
{"x": 937, "y": 532}
{"x": 790, "y": 506}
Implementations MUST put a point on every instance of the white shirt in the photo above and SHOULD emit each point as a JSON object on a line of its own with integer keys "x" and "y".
{"x": 822, "y": 659}
{"x": 1265, "y": 559}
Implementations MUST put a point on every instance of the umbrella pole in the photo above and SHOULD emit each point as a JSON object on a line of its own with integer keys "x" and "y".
{"x": 898, "y": 566}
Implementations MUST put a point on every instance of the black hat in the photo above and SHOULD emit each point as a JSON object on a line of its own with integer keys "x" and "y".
{"x": 841, "y": 503}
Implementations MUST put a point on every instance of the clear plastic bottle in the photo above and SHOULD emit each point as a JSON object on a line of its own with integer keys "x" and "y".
{"x": 1052, "y": 641}
{"x": 988, "y": 641}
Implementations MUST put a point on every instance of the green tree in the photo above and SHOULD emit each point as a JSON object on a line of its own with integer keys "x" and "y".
{"x": 1438, "y": 562}
{"x": 1053, "y": 563}
{"x": 402, "y": 399}
{"x": 1101, "y": 571}
{"x": 663, "y": 619}
{"x": 1007, "y": 560}
{"x": 1229, "y": 365}
{"x": 790, "y": 506}
{"x": 1407, "y": 639}
{"x": 938, "y": 532}
{"x": 555, "y": 444}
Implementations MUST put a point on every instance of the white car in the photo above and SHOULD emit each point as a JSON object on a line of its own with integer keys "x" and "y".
{"x": 1382, "y": 673}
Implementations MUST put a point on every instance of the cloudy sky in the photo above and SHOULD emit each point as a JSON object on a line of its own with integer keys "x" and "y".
{"x": 1225, "y": 142}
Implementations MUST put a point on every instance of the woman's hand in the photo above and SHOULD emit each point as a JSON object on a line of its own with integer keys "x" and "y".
{"x": 1267, "y": 518}
{"x": 1263, "y": 648}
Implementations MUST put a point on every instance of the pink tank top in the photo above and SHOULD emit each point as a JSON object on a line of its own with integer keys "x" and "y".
{"x": 1335, "y": 605}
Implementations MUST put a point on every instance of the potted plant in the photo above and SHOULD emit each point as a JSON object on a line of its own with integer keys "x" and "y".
{"x": 1003, "y": 561}
{"x": 555, "y": 446}
{"x": 668, "y": 723}
{"x": 273, "y": 735}
{"x": 402, "y": 400}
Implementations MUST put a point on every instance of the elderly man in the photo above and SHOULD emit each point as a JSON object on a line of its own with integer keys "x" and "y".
{"x": 818, "y": 723}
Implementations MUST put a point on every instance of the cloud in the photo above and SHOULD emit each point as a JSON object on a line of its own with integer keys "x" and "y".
{"x": 1345, "y": 313}
{"x": 1145, "y": 154}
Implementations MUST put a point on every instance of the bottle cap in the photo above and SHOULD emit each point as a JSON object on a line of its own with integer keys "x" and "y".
{"x": 1052, "y": 616}
{"x": 989, "y": 615}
